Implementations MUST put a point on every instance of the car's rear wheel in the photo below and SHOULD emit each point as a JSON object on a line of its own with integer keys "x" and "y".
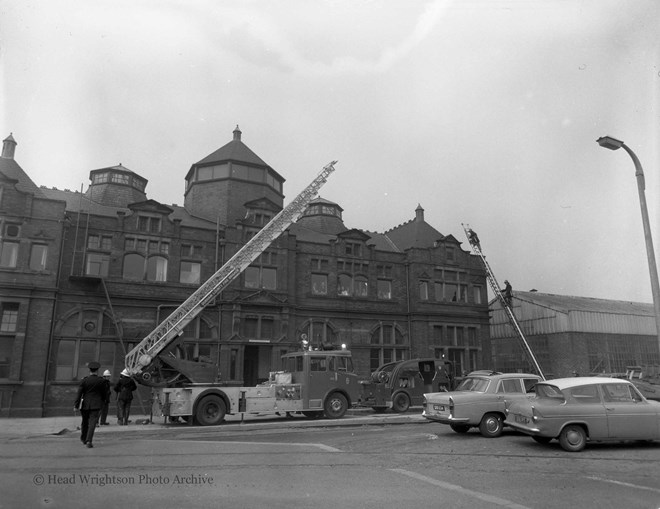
{"x": 400, "y": 402}
{"x": 460, "y": 428}
{"x": 542, "y": 440}
{"x": 491, "y": 425}
{"x": 573, "y": 438}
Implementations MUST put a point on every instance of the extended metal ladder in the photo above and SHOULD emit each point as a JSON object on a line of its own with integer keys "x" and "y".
{"x": 170, "y": 328}
{"x": 494, "y": 285}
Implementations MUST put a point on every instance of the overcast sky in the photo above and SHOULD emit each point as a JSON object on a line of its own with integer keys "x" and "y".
{"x": 483, "y": 112}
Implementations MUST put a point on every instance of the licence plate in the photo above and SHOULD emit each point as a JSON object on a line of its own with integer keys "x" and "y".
{"x": 440, "y": 408}
{"x": 522, "y": 419}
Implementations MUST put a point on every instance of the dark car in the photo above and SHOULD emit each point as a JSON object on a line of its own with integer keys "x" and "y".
{"x": 400, "y": 385}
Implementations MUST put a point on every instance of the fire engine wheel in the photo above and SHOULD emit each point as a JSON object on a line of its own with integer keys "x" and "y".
{"x": 335, "y": 406}
{"x": 491, "y": 425}
{"x": 400, "y": 402}
{"x": 210, "y": 411}
{"x": 573, "y": 438}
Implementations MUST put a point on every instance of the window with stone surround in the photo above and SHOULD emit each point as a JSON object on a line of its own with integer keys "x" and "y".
{"x": 9, "y": 254}
{"x": 190, "y": 273}
{"x": 97, "y": 264}
{"x": 38, "y": 256}
{"x": 8, "y": 326}
{"x": 149, "y": 224}
{"x": 388, "y": 344}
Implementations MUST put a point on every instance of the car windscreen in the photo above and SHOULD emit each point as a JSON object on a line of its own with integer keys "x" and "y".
{"x": 473, "y": 384}
{"x": 548, "y": 392}
{"x": 386, "y": 367}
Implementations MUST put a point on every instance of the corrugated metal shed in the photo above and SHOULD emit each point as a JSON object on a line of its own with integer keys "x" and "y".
{"x": 542, "y": 313}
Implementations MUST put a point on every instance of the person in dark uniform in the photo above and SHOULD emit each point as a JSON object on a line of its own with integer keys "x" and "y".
{"x": 93, "y": 393}
{"x": 507, "y": 293}
{"x": 474, "y": 238}
{"x": 103, "y": 420}
{"x": 124, "y": 389}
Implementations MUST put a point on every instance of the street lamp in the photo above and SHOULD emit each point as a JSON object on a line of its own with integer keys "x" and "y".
{"x": 614, "y": 144}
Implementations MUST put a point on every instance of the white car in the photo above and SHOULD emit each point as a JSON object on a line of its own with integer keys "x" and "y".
{"x": 479, "y": 401}
{"x": 581, "y": 409}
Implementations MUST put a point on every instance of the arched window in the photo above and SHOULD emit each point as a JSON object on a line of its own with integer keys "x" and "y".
{"x": 157, "y": 268}
{"x": 360, "y": 286}
{"x": 320, "y": 333}
{"x": 348, "y": 286}
{"x": 344, "y": 285}
{"x": 133, "y": 266}
{"x": 85, "y": 336}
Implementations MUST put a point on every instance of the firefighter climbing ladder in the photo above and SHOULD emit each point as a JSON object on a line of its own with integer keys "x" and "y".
{"x": 494, "y": 285}
{"x": 170, "y": 328}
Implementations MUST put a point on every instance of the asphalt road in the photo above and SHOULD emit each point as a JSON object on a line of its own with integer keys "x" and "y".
{"x": 414, "y": 464}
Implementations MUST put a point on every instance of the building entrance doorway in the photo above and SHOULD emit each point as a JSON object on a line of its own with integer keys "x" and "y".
{"x": 256, "y": 364}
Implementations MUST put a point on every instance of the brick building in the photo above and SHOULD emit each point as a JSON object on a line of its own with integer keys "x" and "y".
{"x": 121, "y": 262}
{"x": 576, "y": 335}
{"x": 31, "y": 230}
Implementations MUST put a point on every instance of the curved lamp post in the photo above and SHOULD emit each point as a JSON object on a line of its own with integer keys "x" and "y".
{"x": 614, "y": 144}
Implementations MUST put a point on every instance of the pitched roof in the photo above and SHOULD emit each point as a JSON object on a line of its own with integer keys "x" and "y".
{"x": 12, "y": 170}
{"x": 236, "y": 151}
{"x": 415, "y": 233}
{"x": 567, "y": 303}
{"x": 118, "y": 167}
{"x": 76, "y": 201}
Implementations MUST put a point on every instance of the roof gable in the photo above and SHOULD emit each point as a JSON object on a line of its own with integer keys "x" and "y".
{"x": 263, "y": 204}
{"x": 262, "y": 297}
{"x": 354, "y": 234}
{"x": 150, "y": 206}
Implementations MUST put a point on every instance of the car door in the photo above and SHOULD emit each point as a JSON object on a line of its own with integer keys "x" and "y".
{"x": 585, "y": 405}
{"x": 319, "y": 381}
{"x": 510, "y": 389}
{"x": 628, "y": 415}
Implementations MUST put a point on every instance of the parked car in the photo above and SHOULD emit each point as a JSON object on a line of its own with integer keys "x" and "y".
{"x": 581, "y": 409}
{"x": 479, "y": 401}
{"x": 400, "y": 385}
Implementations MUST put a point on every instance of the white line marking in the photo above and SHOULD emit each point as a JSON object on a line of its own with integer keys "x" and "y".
{"x": 627, "y": 484}
{"x": 454, "y": 487}
{"x": 323, "y": 447}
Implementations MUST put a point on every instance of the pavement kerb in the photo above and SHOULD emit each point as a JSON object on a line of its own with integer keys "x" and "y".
{"x": 16, "y": 428}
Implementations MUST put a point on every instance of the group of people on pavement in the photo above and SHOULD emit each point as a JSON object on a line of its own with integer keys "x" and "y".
{"x": 93, "y": 400}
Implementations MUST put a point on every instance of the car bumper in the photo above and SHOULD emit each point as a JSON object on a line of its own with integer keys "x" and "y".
{"x": 525, "y": 428}
{"x": 444, "y": 419}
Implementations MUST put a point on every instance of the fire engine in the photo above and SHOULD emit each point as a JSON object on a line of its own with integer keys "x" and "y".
{"x": 313, "y": 382}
